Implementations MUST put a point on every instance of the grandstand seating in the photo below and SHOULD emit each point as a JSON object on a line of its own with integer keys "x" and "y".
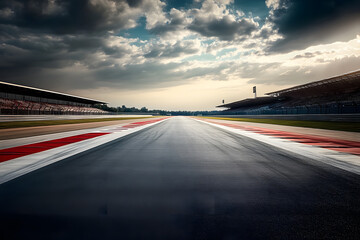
{"x": 18, "y": 99}
{"x": 340, "y": 94}
{"x": 341, "y": 103}
{"x": 9, "y": 106}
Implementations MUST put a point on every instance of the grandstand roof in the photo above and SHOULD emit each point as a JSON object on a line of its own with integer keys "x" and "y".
{"x": 249, "y": 102}
{"x": 37, "y": 92}
{"x": 346, "y": 83}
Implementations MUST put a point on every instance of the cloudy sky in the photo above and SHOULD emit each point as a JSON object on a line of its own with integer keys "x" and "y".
{"x": 176, "y": 54}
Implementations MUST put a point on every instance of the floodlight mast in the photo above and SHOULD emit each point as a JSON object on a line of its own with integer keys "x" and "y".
{"x": 254, "y": 90}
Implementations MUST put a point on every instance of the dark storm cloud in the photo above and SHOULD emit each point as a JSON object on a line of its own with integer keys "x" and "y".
{"x": 25, "y": 49}
{"x": 68, "y": 16}
{"x": 77, "y": 44}
{"x": 172, "y": 51}
{"x": 24, "y": 55}
{"x": 176, "y": 23}
{"x": 307, "y": 22}
{"x": 134, "y": 3}
{"x": 224, "y": 28}
{"x": 38, "y": 36}
{"x": 152, "y": 74}
{"x": 307, "y": 55}
{"x": 42, "y": 40}
{"x": 275, "y": 73}
{"x": 166, "y": 28}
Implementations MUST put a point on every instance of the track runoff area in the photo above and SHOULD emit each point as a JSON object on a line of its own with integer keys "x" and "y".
{"x": 180, "y": 178}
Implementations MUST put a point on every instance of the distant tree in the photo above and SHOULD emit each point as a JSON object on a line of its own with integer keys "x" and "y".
{"x": 123, "y": 108}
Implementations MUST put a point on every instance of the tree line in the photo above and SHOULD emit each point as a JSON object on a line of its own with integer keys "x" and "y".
{"x": 124, "y": 109}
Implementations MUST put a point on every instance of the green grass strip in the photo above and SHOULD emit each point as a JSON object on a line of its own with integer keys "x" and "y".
{"x": 341, "y": 126}
{"x": 20, "y": 124}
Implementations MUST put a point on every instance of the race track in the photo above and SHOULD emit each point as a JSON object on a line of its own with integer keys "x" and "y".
{"x": 182, "y": 179}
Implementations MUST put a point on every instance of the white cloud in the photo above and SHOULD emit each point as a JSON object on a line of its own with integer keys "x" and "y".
{"x": 274, "y": 4}
{"x": 154, "y": 13}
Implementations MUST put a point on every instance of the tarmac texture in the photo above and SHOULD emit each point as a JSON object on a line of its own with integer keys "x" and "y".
{"x": 182, "y": 179}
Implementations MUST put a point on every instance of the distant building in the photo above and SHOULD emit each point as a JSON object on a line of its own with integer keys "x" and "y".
{"x": 17, "y": 99}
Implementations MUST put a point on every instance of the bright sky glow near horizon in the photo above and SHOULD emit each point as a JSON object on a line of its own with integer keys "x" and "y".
{"x": 173, "y": 54}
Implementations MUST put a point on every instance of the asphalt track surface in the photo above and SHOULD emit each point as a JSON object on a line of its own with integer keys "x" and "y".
{"x": 182, "y": 179}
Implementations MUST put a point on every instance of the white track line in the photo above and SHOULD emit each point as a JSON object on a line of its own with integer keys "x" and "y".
{"x": 20, "y": 166}
{"x": 345, "y": 161}
{"x": 52, "y": 136}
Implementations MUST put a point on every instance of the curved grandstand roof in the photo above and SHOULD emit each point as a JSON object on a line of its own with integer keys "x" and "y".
{"x": 249, "y": 102}
{"x": 346, "y": 83}
{"x": 37, "y": 92}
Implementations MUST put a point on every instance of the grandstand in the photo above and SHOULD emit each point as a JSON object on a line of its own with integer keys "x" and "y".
{"x": 17, "y": 99}
{"x": 335, "y": 95}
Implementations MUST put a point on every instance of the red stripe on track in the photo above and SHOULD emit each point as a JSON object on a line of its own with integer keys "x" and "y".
{"x": 15, "y": 152}
{"x": 324, "y": 142}
{"x": 137, "y": 124}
